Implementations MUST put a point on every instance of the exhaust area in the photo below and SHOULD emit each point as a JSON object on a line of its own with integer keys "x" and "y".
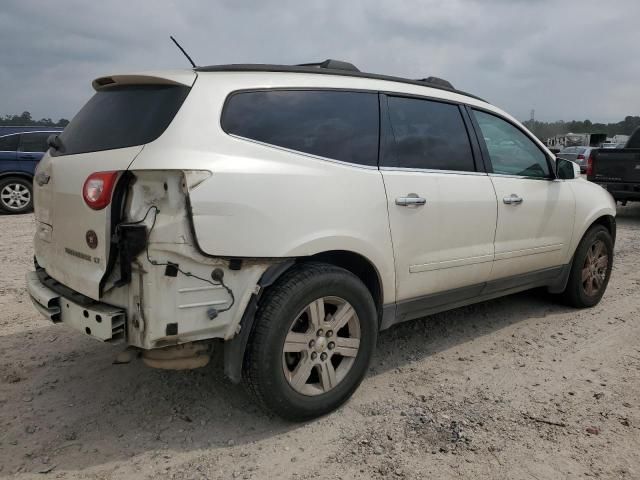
{"x": 178, "y": 357}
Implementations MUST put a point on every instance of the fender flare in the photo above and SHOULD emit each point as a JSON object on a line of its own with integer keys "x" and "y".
{"x": 235, "y": 348}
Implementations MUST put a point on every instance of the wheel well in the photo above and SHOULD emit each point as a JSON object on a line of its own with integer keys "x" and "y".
{"x": 608, "y": 222}
{"x": 25, "y": 176}
{"x": 234, "y": 350}
{"x": 360, "y": 266}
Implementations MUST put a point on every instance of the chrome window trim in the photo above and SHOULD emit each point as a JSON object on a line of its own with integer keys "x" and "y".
{"x": 431, "y": 170}
{"x": 298, "y": 152}
{"x": 522, "y": 177}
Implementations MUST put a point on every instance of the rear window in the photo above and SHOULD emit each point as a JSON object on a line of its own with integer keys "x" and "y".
{"x": 122, "y": 116}
{"x": 332, "y": 124}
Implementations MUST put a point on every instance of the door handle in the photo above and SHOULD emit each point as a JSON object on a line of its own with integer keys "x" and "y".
{"x": 27, "y": 156}
{"x": 411, "y": 199}
{"x": 512, "y": 199}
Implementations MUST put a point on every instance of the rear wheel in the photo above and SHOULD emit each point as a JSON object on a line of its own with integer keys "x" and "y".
{"x": 591, "y": 268}
{"x": 16, "y": 195}
{"x": 314, "y": 336}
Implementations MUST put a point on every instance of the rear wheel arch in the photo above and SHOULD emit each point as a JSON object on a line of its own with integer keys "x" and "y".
{"x": 360, "y": 266}
{"x": 357, "y": 264}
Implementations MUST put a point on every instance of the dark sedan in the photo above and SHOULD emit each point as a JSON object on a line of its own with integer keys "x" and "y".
{"x": 19, "y": 155}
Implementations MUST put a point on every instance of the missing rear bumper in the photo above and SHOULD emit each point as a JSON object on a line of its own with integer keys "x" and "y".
{"x": 99, "y": 320}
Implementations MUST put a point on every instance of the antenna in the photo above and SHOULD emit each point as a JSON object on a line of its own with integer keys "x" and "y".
{"x": 183, "y": 52}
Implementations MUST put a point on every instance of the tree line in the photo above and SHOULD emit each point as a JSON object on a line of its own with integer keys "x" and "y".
{"x": 26, "y": 120}
{"x": 544, "y": 130}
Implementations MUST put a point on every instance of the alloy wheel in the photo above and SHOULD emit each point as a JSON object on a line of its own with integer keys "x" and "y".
{"x": 321, "y": 346}
{"x": 15, "y": 196}
{"x": 594, "y": 270}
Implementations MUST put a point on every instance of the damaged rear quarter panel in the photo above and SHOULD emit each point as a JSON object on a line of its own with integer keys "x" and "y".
{"x": 159, "y": 303}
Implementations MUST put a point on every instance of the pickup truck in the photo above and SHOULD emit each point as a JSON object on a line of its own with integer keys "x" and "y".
{"x": 617, "y": 170}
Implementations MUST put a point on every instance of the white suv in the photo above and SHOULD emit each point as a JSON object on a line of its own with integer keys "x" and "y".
{"x": 287, "y": 214}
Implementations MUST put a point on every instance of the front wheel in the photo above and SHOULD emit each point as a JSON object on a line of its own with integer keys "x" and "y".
{"x": 591, "y": 268}
{"x": 16, "y": 195}
{"x": 314, "y": 336}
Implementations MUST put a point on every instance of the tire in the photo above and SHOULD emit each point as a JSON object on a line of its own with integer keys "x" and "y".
{"x": 16, "y": 195}
{"x": 589, "y": 275}
{"x": 289, "y": 315}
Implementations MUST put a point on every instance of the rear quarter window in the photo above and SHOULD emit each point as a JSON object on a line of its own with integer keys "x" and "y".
{"x": 338, "y": 125}
{"x": 122, "y": 116}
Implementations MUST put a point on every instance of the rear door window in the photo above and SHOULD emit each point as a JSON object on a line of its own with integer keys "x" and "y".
{"x": 9, "y": 143}
{"x": 34, "y": 142}
{"x": 122, "y": 116}
{"x": 427, "y": 135}
{"x": 339, "y": 125}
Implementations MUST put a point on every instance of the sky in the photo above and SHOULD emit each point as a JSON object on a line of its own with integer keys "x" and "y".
{"x": 567, "y": 59}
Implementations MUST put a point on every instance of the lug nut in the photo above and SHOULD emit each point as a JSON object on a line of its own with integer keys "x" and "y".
{"x": 314, "y": 355}
{"x": 320, "y": 332}
{"x": 329, "y": 333}
{"x": 332, "y": 345}
{"x": 312, "y": 343}
{"x": 323, "y": 356}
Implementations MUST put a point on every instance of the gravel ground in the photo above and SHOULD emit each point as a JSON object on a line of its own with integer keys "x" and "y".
{"x": 519, "y": 387}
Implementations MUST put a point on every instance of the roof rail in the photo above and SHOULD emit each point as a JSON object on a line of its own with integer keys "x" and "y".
{"x": 317, "y": 69}
{"x": 437, "y": 81}
{"x": 332, "y": 64}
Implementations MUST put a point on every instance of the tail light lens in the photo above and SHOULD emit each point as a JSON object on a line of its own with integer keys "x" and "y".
{"x": 581, "y": 157}
{"x": 590, "y": 165}
{"x": 98, "y": 188}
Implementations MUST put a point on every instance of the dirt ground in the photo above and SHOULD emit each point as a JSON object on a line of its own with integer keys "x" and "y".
{"x": 519, "y": 387}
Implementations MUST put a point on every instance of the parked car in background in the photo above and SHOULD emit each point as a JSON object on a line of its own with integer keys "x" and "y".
{"x": 19, "y": 155}
{"x": 578, "y": 155}
{"x": 617, "y": 170}
{"x": 609, "y": 145}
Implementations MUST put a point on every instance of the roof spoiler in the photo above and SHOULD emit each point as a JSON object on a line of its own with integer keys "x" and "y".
{"x": 176, "y": 77}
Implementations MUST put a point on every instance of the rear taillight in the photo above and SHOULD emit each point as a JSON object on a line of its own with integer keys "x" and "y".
{"x": 590, "y": 165}
{"x": 97, "y": 189}
{"x": 580, "y": 157}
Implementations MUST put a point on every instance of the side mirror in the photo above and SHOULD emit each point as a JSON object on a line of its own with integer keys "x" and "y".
{"x": 566, "y": 169}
